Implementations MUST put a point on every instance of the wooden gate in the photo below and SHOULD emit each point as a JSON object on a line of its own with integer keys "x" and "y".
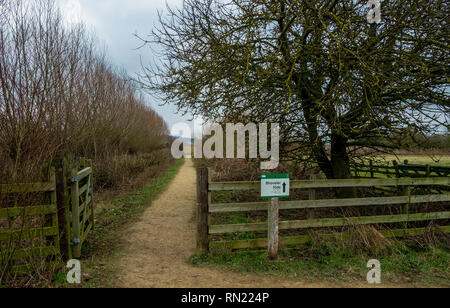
{"x": 81, "y": 207}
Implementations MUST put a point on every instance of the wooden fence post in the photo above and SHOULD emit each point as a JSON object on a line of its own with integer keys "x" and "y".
{"x": 372, "y": 174}
{"x": 312, "y": 196}
{"x": 49, "y": 176}
{"x": 76, "y": 232}
{"x": 405, "y": 208}
{"x": 53, "y": 197}
{"x": 202, "y": 211}
{"x": 91, "y": 193}
{"x": 209, "y": 181}
{"x": 63, "y": 208}
{"x": 273, "y": 228}
{"x": 405, "y": 170}
{"x": 397, "y": 170}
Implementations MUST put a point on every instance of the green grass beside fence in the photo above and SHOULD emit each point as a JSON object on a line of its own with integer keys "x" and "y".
{"x": 400, "y": 263}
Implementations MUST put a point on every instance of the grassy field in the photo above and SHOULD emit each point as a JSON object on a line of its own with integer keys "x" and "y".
{"x": 422, "y": 160}
{"x": 434, "y": 160}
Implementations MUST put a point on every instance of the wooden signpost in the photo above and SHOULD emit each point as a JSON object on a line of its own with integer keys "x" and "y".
{"x": 274, "y": 186}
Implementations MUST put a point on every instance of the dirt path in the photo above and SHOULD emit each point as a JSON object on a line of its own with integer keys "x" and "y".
{"x": 155, "y": 251}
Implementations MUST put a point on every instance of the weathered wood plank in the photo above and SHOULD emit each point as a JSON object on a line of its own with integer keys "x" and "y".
{"x": 75, "y": 202}
{"x": 327, "y": 203}
{"x": 202, "y": 211}
{"x": 54, "y": 217}
{"x": 84, "y": 189}
{"x": 408, "y": 170}
{"x": 26, "y": 188}
{"x": 28, "y": 211}
{"x": 238, "y": 207}
{"x": 63, "y": 208}
{"x": 86, "y": 213}
{"x": 34, "y": 252}
{"x": 86, "y": 233}
{"x": 338, "y": 222}
{"x": 85, "y": 206}
{"x": 370, "y": 183}
{"x": 312, "y": 197}
{"x": 298, "y": 240}
{"x": 227, "y": 186}
{"x": 310, "y": 184}
{"x": 329, "y": 222}
{"x": 82, "y": 174}
{"x": 375, "y": 172}
{"x": 85, "y": 172}
{"x": 273, "y": 220}
{"x": 405, "y": 207}
{"x": 221, "y": 229}
{"x": 21, "y": 270}
{"x": 28, "y": 234}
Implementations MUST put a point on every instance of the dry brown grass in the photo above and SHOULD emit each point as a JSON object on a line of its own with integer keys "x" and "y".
{"x": 367, "y": 237}
{"x": 433, "y": 237}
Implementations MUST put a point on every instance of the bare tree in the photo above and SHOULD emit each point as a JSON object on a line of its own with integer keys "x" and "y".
{"x": 318, "y": 68}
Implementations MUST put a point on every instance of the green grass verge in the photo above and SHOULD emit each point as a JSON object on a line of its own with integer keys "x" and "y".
{"x": 100, "y": 250}
{"x": 400, "y": 264}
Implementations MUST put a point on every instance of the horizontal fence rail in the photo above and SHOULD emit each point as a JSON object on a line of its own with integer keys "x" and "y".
{"x": 327, "y": 203}
{"x": 28, "y": 211}
{"x": 329, "y": 222}
{"x": 303, "y": 239}
{"x": 311, "y": 184}
{"x": 27, "y": 188}
{"x": 28, "y": 234}
{"x": 206, "y": 187}
{"x": 401, "y": 170}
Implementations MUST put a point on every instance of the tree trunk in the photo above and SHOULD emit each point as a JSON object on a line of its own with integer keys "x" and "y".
{"x": 320, "y": 155}
{"x": 340, "y": 163}
{"x": 318, "y": 148}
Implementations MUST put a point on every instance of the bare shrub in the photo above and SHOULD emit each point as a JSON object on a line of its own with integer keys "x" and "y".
{"x": 59, "y": 96}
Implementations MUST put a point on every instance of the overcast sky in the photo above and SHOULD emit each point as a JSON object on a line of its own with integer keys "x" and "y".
{"x": 114, "y": 22}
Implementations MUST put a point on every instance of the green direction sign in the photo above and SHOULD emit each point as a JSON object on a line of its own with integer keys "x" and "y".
{"x": 275, "y": 185}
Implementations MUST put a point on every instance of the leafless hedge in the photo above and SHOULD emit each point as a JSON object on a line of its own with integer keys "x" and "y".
{"x": 60, "y": 96}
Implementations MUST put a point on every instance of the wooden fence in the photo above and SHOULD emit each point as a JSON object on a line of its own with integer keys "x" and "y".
{"x": 66, "y": 218}
{"x": 205, "y": 187}
{"x": 397, "y": 170}
{"x": 42, "y": 240}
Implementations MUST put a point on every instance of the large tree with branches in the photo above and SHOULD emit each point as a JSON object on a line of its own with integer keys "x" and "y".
{"x": 333, "y": 81}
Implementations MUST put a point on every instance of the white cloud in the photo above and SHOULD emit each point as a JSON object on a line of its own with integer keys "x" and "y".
{"x": 72, "y": 11}
{"x": 114, "y": 22}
